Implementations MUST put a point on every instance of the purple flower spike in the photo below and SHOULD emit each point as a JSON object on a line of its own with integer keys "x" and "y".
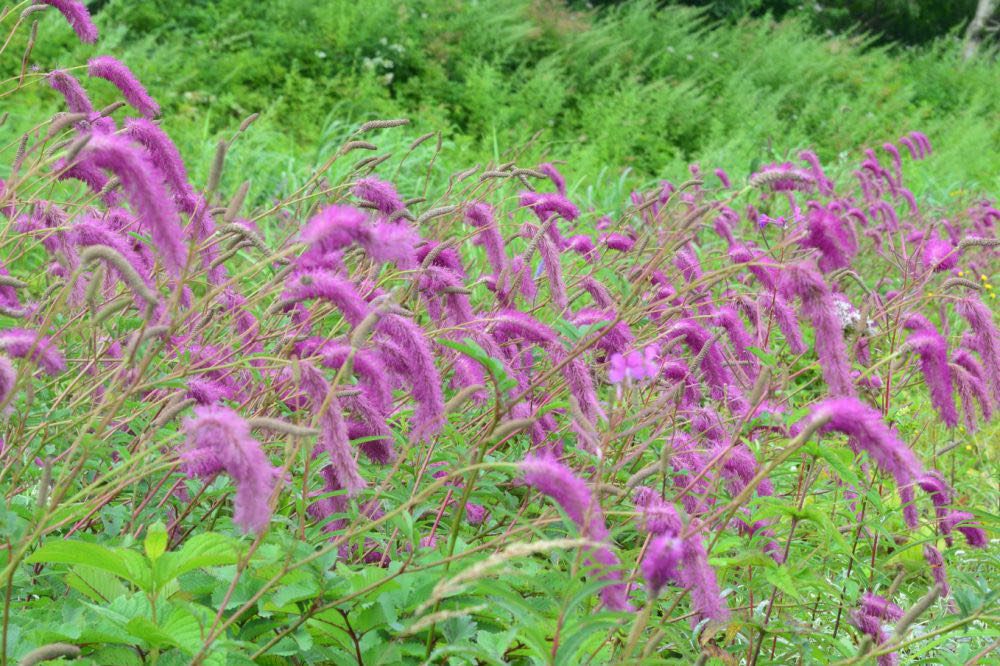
{"x": 379, "y": 193}
{"x": 935, "y": 561}
{"x": 986, "y": 339}
{"x": 868, "y": 432}
{"x": 23, "y": 343}
{"x": 657, "y": 517}
{"x": 106, "y": 67}
{"x": 933, "y": 351}
{"x": 939, "y": 255}
{"x": 553, "y": 479}
{"x": 557, "y": 178}
{"x": 76, "y": 97}
{"x": 699, "y": 578}
{"x": 8, "y": 378}
{"x": 218, "y": 439}
{"x": 660, "y": 566}
{"x": 974, "y": 535}
{"x": 166, "y": 157}
{"x": 143, "y": 185}
{"x": 77, "y": 16}
{"x": 818, "y": 305}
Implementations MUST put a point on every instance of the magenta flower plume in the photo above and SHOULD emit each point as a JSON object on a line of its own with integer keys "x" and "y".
{"x": 868, "y": 432}
{"x": 700, "y": 579}
{"x": 759, "y": 264}
{"x": 166, "y": 157}
{"x": 598, "y": 292}
{"x": 661, "y": 564}
{"x": 143, "y": 185}
{"x": 933, "y": 484}
{"x": 963, "y": 521}
{"x": 342, "y": 471}
{"x": 832, "y": 236}
{"x": 415, "y": 359}
{"x": 380, "y": 194}
{"x": 713, "y": 363}
{"x": 8, "y": 378}
{"x": 110, "y": 69}
{"x": 971, "y": 383}
{"x": 723, "y": 178}
{"x": 985, "y": 338}
{"x": 78, "y": 18}
{"x": 24, "y": 343}
{"x": 367, "y": 366}
{"x": 369, "y": 429}
{"x": 729, "y": 320}
{"x": 553, "y": 273}
{"x": 76, "y": 97}
{"x": 333, "y": 228}
{"x": 872, "y": 604}
{"x": 545, "y": 205}
{"x": 939, "y": 255}
{"x": 553, "y": 173}
{"x": 618, "y": 242}
{"x": 614, "y": 339}
{"x": 481, "y": 216}
{"x": 787, "y": 320}
{"x": 869, "y": 617}
{"x": 935, "y": 561}
{"x": 818, "y": 305}
{"x": 324, "y": 285}
{"x": 218, "y": 439}
{"x": 933, "y": 351}
{"x": 656, "y": 516}
{"x": 553, "y": 479}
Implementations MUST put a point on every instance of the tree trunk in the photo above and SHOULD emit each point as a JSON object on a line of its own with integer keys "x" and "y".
{"x": 977, "y": 28}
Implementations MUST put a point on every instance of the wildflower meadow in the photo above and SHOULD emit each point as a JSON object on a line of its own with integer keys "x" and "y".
{"x": 393, "y": 409}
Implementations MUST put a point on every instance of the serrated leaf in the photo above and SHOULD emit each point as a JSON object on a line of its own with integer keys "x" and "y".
{"x": 96, "y": 584}
{"x": 203, "y": 550}
{"x": 184, "y": 630}
{"x": 122, "y": 563}
{"x": 781, "y": 578}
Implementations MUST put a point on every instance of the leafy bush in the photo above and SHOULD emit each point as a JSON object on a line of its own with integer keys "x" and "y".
{"x": 393, "y": 415}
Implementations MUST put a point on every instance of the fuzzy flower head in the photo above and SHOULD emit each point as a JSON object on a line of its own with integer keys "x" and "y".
{"x": 553, "y": 479}
{"x": 379, "y": 193}
{"x": 218, "y": 439}
{"x": 24, "y": 343}
{"x": 106, "y": 67}
{"x": 77, "y": 16}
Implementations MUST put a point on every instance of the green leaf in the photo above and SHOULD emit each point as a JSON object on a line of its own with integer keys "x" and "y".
{"x": 122, "y": 563}
{"x": 577, "y": 636}
{"x": 155, "y": 543}
{"x": 767, "y": 357}
{"x": 493, "y": 365}
{"x": 97, "y": 584}
{"x": 781, "y": 578}
{"x": 144, "y": 629}
{"x": 184, "y": 630}
{"x": 202, "y": 550}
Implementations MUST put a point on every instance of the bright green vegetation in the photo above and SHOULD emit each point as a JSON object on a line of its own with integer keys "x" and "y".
{"x": 632, "y": 88}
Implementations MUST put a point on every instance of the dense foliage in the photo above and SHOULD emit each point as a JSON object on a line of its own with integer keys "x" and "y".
{"x": 632, "y": 88}
{"x": 396, "y": 413}
{"x": 903, "y": 21}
